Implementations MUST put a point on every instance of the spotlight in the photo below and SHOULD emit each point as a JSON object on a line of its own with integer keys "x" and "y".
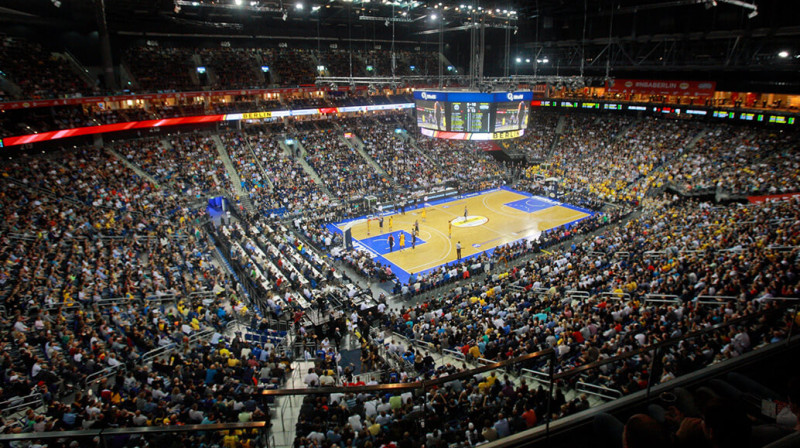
{"x": 783, "y": 54}
{"x": 238, "y": 2}
{"x": 433, "y": 16}
{"x": 298, "y": 6}
{"x": 752, "y": 14}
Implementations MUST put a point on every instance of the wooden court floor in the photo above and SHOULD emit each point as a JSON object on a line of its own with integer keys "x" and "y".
{"x": 490, "y": 223}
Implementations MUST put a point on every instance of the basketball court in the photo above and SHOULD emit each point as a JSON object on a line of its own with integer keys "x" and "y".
{"x": 493, "y": 218}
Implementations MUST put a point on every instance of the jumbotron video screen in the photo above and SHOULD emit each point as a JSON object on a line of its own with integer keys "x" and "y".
{"x": 461, "y": 115}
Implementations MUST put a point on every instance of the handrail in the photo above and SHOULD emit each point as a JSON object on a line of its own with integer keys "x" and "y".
{"x": 113, "y": 301}
{"x": 140, "y": 430}
{"x": 66, "y": 305}
{"x": 616, "y": 295}
{"x": 782, "y": 248}
{"x": 598, "y": 391}
{"x": 8, "y": 407}
{"x": 577, "y": 293}
{"x": 715, "y": 298}
{"x": 412, "y": 385}
{"x": 156, "y": 352}
{"x": 100, "y": 374}
{"x": 541, "y": 377}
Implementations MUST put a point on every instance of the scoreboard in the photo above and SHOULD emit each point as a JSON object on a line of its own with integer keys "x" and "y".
{"x": 469, "y": 117}
{"x": 472, "y": 115}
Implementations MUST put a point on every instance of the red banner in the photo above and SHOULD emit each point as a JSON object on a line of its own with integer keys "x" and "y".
{"x": 27, "y": 104}
{"x": 772, "y": 197}
{"x": 661, "y": 87}
{"x": 75, "y": 132}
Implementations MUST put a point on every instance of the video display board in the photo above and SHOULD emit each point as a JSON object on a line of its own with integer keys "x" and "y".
{"x": 431, "y": 115}
{"x": 484, "y": 116}
{"x": 510, "y": 116}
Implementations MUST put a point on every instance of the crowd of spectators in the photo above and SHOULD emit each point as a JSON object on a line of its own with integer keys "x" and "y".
{"x": 295, "y": 67}
{"x": 40, "y": 74}
{"x": 100, "y": 267}
{"x": 613, "y": 159}
{"x": 404, "y": 165}
{"x": 342, "y": 63}
{"x": 739, "y": 160}
{"x": 273, "y": 178}
{"x": 345, "y": 173}
{"x": 537, "y": 142}
{"x": 236, "y": 68}
{"x": 531, "y": 306}
{"x": 684, "y": 252}
{"x": 189, "y": 164}
{"x": 460, "y": 161}
{"x": 158, "y": 69}
{"x": 98, "y": 270}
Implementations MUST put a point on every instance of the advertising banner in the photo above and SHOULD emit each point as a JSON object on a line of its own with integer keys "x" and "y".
{"x": 661, "y": 87}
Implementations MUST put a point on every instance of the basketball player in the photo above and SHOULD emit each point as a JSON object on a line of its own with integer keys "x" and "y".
{"x": 450, "y": 229}
{"x": 402, "y": 240}
{"x": 424, "y": 214}
{"x": 465, "y": 213}
{"x": 391, "y": 221}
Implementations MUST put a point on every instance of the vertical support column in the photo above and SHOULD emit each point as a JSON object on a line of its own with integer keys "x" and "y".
{"x": 482, "y": 47}
{"x": 551, "y": 374}
{"x": 105, "y": 45}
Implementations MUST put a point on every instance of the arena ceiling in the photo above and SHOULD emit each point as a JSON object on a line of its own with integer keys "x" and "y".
{"x": 693, "y": 39}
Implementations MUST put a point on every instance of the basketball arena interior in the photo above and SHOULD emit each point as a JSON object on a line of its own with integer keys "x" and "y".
{"x": 399, "y": 223}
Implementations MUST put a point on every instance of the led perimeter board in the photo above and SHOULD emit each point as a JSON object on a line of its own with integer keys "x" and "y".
{"x": 462, "y": 115}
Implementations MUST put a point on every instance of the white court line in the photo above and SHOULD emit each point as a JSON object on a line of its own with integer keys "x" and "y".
{"x": 498, "y": 211}
{"x": 435, "y": 263}
{"x": 482, "y": 226}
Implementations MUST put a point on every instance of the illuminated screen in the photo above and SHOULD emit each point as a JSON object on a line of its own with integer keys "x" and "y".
{"x": 469, "y": 117}
{"x": 484, "y": 116}
{"x": 510, "y": 116}
{"x": 431, "y": 115}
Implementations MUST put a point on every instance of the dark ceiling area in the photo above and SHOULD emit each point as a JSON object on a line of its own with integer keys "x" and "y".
{"x": 744, "y": 45}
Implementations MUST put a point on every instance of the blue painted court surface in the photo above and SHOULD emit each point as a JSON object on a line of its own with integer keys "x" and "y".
{"x": 380, "y": 243}
{"x": 530, "y": 205}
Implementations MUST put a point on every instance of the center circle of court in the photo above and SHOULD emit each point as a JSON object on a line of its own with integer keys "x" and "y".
{"x": 470, "y": 221}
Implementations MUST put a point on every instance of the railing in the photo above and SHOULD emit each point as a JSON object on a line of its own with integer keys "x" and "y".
{"x": 598, "y": 391}
{"x": 86, "y": 437}
{"x": 17, "y": 404}
{"x": 530, "y": 366}
{"x": 108, "y": 372}
{"x": 540, "y": 377}
{"x": 661, "y": 298}
{"x": 161, "y": 299}
{"x": 114, "y": 301}
{"x": 624, "y": 296}
{"x": 156, "y": 352}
